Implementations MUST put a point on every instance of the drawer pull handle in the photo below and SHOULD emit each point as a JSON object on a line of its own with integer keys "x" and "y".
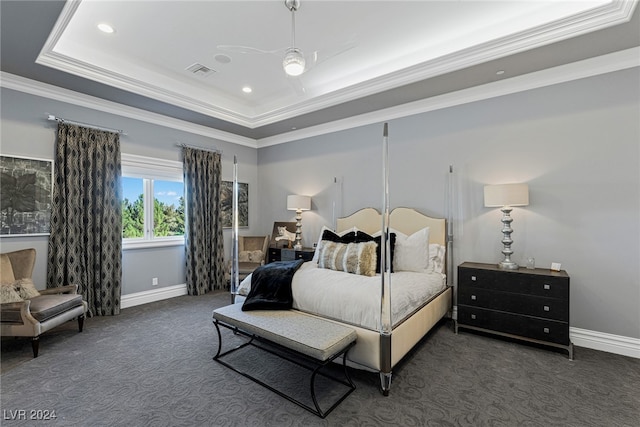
{"x": 473, "y": 297}
{"x": 546, "y": 330}
{"x": 473, "y": 317}
{"x": 546, "y": 308}
{"x": 473, "y": 278}
{"x": 547, "y": 286}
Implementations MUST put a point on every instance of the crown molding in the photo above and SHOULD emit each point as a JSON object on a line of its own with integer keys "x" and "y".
{"x": 590, "y": 67}
{"x": 587, "y": 68}
{"x": 11, "y": 81}
{"x": 155, "y": 91}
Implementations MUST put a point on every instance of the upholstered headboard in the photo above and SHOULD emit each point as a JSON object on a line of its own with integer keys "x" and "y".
{"x": 405, "y": 220}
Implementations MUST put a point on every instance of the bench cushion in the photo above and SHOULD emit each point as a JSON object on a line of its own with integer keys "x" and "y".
{"x": 309, "y": 335}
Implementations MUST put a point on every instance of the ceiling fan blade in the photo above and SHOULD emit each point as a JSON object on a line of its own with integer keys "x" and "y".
{"x": 296, "y": 84}
{"x": 319, "y": 56}
{"x": 247, "y": 49}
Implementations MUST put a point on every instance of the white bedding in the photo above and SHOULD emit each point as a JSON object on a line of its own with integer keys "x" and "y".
{"x": 355, "y": 299}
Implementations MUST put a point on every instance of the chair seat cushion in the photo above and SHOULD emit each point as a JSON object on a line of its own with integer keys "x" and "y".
{"x": 45, "y": 307}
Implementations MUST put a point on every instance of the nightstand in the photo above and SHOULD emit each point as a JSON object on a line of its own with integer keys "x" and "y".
{"x": 531, "y": 305}
{"x": 284, "y": 254}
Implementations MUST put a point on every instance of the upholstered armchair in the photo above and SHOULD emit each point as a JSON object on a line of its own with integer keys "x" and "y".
{"x": 252, "y": 253}
{"x": 27, "y": 312}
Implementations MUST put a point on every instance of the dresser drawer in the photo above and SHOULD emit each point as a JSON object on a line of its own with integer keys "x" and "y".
{"x": 530, "y": 327}
{"x": 531, "y": 305}
{"x": 285, "y": 254}
{"x": 274, "y": 255}
{"x": 304, "y": 255}
{"x": 512, "y": 281}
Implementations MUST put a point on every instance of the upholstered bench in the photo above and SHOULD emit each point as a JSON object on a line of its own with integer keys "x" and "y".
{"x": 317, "y": 340}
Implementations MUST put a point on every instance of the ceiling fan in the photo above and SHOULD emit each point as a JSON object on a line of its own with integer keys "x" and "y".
{"x": 294, "y": 61}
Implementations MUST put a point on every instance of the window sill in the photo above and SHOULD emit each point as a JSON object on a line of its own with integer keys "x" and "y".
{"x": 157, "y": 243}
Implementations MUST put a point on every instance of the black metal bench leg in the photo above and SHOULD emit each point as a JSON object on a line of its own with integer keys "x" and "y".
{"x": 219, "y": 340}
{"x": 313, "y": 391}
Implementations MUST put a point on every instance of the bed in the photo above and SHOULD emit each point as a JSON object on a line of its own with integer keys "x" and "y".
{"x": 419, "y": 299}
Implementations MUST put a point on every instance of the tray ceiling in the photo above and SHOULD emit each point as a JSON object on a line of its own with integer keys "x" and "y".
{"x": 199, "y": 55}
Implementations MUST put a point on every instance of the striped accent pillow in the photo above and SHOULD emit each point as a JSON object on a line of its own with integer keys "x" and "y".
{"x": 356, "y": 258}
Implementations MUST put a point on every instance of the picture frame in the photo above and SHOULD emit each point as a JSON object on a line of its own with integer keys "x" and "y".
{"x": 26, "y": 186}
{"x": 226, "y": 203}
{"x": 277, "y": 240}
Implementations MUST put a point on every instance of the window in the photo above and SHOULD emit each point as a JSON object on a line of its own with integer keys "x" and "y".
{"x": 152, "y": 202}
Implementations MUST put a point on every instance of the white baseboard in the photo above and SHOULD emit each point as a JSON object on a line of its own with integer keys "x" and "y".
{"x": 617, "y": 344}
{"x": 144, "y": 297}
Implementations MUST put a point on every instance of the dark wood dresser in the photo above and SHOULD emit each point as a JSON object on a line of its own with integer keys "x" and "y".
{"x": 283, "y": 254}
{"x": 531, "y": 305}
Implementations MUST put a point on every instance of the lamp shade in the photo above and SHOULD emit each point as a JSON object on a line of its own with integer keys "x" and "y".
{"x": 506, "y": 195}
{"x": 302, "y": 203}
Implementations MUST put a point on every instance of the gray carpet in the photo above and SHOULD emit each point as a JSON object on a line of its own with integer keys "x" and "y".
{"x": 152, "y": 366}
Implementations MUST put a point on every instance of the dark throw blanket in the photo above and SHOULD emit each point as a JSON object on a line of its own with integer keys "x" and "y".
{"x": 271, "y": 286}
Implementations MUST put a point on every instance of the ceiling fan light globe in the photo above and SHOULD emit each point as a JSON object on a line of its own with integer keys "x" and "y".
{"x": 293, "y": 62}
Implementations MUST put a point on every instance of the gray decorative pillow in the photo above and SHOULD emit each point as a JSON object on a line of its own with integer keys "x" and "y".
{"x": 8, "y": 293}
{"x": 26, "y": 289}
{"x": 356, "y": 258}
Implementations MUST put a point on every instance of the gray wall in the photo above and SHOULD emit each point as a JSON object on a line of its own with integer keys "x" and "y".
{"x": 576, "y": 144}
{"x": 26, "y": 132}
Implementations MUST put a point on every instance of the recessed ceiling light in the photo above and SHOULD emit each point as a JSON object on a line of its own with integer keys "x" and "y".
{"x": 247, "y": 89}
{"x": 106, "y": 28}
{"x": 500, "y": 72}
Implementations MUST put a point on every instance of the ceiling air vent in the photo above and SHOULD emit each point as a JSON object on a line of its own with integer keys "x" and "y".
{"x": 200, "y": 70}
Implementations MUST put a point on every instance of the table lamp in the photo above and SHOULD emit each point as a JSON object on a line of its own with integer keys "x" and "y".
{"x": 506, "y": 196}
{"x": 298, "y": 204}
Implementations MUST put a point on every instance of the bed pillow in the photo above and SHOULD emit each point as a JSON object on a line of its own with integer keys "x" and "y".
{"x": 348, "y": 237}
{"x": 356, "y": 258}
{"x": 436, "y": 257}
{"x": 8, "y": 293}
{"x": 412, "y": 252}
{"x": 361, "y": 236}
{"x": 322, "y": 231}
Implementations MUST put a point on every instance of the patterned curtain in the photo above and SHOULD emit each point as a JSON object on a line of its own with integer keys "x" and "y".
{"x": 204, "y": 244}
{"x": 85, "y": 244}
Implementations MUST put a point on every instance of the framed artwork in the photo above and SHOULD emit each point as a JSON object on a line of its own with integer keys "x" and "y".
{"x": 283, "y": 233}
{"x": 25, "y": 196}
{"x": 226, "y": 202}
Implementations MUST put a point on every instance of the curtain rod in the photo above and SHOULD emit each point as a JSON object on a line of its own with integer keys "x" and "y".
{"x": 214, "y": 149}
{"x": 72, "y": 122}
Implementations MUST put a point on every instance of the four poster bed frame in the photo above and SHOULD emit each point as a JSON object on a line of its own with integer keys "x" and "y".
{"x": 380, "y": 350}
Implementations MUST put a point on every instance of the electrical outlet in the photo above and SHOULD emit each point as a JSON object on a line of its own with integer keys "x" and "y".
{"x": 154, "y": 281}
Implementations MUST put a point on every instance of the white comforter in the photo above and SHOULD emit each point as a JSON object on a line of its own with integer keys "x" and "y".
{"x": 355, "y": 299}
